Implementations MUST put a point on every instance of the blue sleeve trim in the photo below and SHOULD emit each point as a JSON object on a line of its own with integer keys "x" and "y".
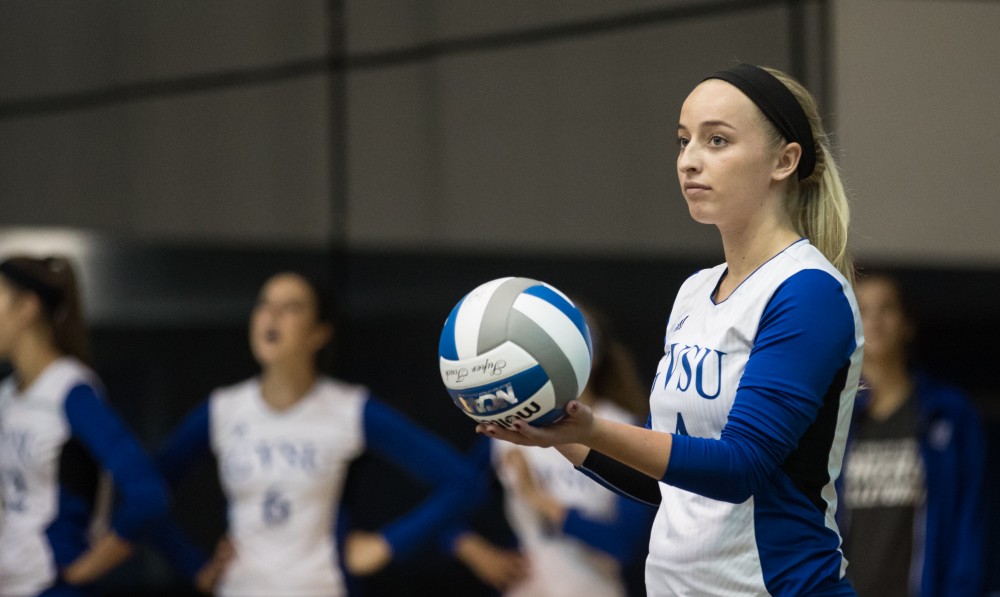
{"x": 98, "y": 427}
{"x": 805, "y": 338}
{"x": 68, "y": 533}
{"x": 478, "y": 457}
{"x": 458, "y": 488}
{"x": 189, "y": 442}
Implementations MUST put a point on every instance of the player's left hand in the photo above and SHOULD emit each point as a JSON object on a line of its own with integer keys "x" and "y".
{"x": 104, "y": 555}
{"x": 366, "y": 553}
{"x": 209, "y": 574}
{"x": 576, "y": 427}
{"x": 496, "y": 566}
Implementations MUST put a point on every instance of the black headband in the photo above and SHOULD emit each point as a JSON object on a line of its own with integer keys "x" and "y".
{"x": 50, "y": 296}
{"x": 779, "y": 106}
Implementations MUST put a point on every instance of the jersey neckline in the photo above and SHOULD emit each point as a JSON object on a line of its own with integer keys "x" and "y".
{"x": 725, "y": 272}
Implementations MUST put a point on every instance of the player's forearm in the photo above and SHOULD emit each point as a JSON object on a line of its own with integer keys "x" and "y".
{"x": 105, "y": 555}
{"x": 645, "y": 450}
{"x": 575, "y": 453}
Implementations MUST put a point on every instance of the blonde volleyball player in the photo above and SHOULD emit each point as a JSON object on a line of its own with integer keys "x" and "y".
{"x": 751, "y": 402}
{"x": 57, "y": 435}
{"x": 576, "y": 538}
{"x": 283, "y": 441}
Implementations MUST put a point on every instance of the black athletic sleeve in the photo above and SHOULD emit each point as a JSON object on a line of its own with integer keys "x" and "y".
{"x": 621, "y": 478}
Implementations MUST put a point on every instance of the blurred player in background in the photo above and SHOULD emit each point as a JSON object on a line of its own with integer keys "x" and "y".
{"x": 913, "y": 472}
{"x": 57, "y": 436}
{"x": 576, "y": 537}
{"x": 752, "y": 399}
{"x": 283, "y": 441}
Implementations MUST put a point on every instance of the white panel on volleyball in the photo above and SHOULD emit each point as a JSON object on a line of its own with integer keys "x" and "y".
{"x": 498, "y": 364}
{"x": 561, "y": 329}
{"x": 470, "y": 316}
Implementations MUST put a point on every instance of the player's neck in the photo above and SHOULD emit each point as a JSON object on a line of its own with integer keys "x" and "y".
{"x": 31, "y": 358}
{"x": 283, "y": 386}
{"x": 890, "y": 385}
{"x": 749, "y": 248}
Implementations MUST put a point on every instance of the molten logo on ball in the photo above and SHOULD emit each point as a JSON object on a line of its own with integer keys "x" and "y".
{"x": 502, "y": 398}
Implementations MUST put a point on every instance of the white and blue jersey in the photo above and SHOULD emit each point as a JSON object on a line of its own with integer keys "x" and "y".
{"x": 758, "y": 390}
{"x": 283, "y": 475}
{"x": 56, "y": 438}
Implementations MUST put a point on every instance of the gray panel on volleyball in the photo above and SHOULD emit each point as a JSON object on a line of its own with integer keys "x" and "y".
{"x": 553, "y": 360}
{"x": 493, "y": 326}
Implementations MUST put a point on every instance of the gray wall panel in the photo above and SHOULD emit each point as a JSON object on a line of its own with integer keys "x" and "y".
{"x": 380, "y": 25}
{"x": 63, "y": 46}
{"x": 916, "y": 93}
{"x": 558, "y": 146}
{"x": 244, "y": 165}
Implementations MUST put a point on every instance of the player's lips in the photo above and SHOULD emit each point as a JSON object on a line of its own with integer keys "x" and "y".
{"x": 271, "y": 336}
{"x": 695, "y": 186}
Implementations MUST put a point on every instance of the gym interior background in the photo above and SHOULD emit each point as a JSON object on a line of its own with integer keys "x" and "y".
{"x": 407, "y": 151}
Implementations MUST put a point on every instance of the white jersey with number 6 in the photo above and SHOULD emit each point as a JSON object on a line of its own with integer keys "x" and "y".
{"x": 283, "y": 473}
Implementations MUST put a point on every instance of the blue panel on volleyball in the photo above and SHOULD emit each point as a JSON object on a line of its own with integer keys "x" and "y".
{"x": 446, "y": 346}
{"x": 497, "y": 398}
{"x": 568, "y": 309}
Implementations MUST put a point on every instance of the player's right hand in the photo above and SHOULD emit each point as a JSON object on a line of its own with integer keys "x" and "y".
{"x": 576, "y": 427}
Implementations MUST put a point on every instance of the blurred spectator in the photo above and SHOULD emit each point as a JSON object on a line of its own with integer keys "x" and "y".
{"x": 58, "y": 437}
{"x": 912, "y": 514}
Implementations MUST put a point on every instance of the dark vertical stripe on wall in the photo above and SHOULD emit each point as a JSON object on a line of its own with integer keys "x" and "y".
{"x": 825, "y": 49}
{"x": 796, "y": 40}
{"x": 810, "y": 40}
{"x": 337, "y": 89}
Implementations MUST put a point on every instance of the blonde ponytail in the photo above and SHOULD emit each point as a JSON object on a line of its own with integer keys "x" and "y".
{"x": 818, "y": 204}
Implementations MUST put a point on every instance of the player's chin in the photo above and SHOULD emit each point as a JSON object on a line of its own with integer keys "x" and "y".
{"x": 269, "y": 356}
{"x": 701, "y": 213}
{"x": 262, "y": 355}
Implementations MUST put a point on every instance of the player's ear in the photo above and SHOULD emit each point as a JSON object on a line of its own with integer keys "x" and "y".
{"x": 26, "y": 307}
{"x": 788, "y": 161}
{"x": 322, "y": 335}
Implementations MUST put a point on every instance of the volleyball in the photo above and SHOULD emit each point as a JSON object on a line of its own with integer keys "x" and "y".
{"x": 515, "y": 348}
